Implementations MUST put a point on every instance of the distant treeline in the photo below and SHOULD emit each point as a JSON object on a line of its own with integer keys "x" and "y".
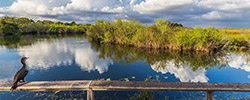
{"x": 16, "y": 32}
{"x": 12, "y": 25}
{"x": 161, "y": 35}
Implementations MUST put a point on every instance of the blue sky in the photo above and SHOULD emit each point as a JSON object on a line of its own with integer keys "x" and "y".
{"x": 6, "y": 3}
{"x": 218, "y": 13}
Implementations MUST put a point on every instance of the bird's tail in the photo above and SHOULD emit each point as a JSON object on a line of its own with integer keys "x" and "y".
{"x": 14, "y": 86}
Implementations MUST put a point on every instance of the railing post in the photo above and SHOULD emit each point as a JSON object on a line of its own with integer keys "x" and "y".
{"x": 90, "y": 94}
{"x": 210, "y": 95}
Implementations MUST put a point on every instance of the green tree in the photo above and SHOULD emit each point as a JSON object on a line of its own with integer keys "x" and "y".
{"x": 23, "y": 20}
{"x": 10, "y": 29}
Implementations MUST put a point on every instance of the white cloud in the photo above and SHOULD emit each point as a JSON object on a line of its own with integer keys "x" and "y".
{"x": 212, "y": 15}
{"x": 226, "y": 12}
{"x": 55, "y": 7}
{"x": 114, "y": 10}
{"x": 163, "y": 6}
{"x": 219, "y": 13}
{"x": 184, "y": 73}
{"x": 65, "y": 10}
{"x": 90, "y": 5}
{"x": 33, "y": 7}
{"x": 226, "y": 5}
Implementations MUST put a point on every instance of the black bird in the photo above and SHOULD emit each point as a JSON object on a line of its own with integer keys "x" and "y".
{"x": 20, "y": 75}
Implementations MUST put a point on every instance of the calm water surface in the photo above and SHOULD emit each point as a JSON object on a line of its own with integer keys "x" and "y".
{"x": 78, "y": 59}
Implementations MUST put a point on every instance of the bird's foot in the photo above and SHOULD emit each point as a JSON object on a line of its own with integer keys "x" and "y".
{"x": 22, "y": 81}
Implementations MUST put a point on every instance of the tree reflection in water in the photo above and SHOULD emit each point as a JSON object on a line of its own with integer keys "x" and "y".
{"x": 187, "y": 66}
{"x": 90, "y": 56}
{"x": 194, "y": 60}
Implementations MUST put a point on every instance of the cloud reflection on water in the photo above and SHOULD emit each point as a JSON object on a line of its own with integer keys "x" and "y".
{"x": 183, "y": 72}
{"x": 239, "y": 61}
{"x": 64, "y": 52}
{"x": 46, "y": 54}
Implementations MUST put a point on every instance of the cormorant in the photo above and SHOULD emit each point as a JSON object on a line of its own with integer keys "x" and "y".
{"x": 20, "y": 75}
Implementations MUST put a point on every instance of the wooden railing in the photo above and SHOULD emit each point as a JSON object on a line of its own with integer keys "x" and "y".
{"x": 93, "y": 85}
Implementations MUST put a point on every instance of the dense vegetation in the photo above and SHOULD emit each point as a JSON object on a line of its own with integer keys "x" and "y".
{"x": 16, "y": 32}
{"x": 166, "y": 35}
{"x": 161, "y": 35}
{"x": 15, "y": 26}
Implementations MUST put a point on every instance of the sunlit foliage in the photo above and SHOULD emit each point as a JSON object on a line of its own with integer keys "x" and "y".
{"x": 27, "y": 26}
{"x": 166, "y": 35}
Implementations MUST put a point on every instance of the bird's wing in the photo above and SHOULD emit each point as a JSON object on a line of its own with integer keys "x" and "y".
{"x": 17, "y": 75}
{"x": 23, "y": 74}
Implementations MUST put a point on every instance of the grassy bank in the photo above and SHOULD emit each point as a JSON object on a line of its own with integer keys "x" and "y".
{"x": 167, "y": 35}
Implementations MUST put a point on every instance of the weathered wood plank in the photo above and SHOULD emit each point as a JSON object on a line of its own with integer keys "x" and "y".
{"x": 46, "y": 85}
{"x": 169, "y": 86}
{"x": 122, "y": 85}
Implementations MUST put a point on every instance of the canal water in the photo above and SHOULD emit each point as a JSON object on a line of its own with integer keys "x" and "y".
{"x": 68, "y": 58}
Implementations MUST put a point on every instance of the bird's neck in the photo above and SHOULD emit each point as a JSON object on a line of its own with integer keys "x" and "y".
{"x": 24, "y": 65}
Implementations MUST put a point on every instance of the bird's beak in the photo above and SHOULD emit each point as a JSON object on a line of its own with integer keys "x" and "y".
{"x": 27, "y": 58}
